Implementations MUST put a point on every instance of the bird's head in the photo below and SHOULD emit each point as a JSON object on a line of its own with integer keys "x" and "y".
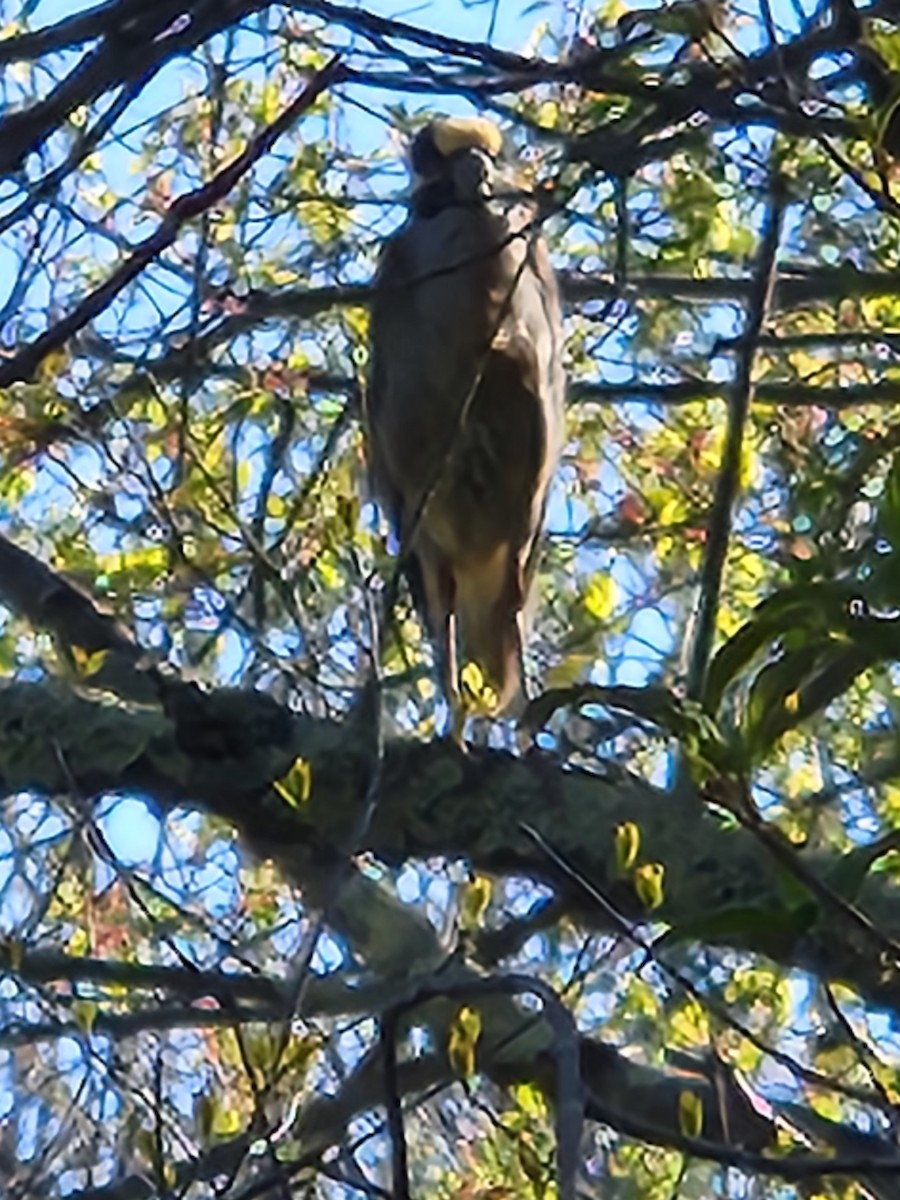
{"x": 454, "y": 161}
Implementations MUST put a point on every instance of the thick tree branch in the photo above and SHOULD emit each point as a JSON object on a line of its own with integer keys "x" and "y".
{"x": 222, "y": 750}
{"x": 147, "y": 38}
{"x": 95, "y": 22}
{"x": 50, "y": 602}
{"x": 45, "y": 966}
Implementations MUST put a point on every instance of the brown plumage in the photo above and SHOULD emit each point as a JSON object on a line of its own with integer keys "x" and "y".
{"x": 464, "y": 407}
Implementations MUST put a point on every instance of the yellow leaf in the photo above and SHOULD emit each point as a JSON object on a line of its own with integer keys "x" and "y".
{"x": 648, "y": 883}
{"x": 600, "y": 597}
{"x": 79, "y": 943}
{"x": 628, "y": 843}
{"x": 84, "y": 1014}
{"x": 69, "y": 896}
{"x": 674, "y": 511}
{"x": 299, "y": 1056}
{"x": 475, "y": 899}
{"x": 690, "y": 1114}
{"x": 464, "y": 1034}
{"x": 478, "y": 697}
{"x": 690, "y": 1025}
{"x": 530, "y": 1100}
{"x": 157, "y": 413}
{"x": 51, "y": 365}
{"x": 471, "y": 678}
{"x": 295, "y": 787}
{"x": 270, "y": 102}
{"x": 548, "y": 114}
{"x": 89, "y": 662}
{"x": 226, "y": 1122}
{"x": 328, "y": 570}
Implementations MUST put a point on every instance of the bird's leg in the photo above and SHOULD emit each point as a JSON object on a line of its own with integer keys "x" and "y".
{"x": 515, "y": 740}
{"x": 439, "y": 588}
{"x": 520, "y": 654}
{"x": 450, "y": 666}
{"x": 445, "y": 657}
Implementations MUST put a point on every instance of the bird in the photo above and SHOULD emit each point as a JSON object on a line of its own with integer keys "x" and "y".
{"x": 463, "y": 411}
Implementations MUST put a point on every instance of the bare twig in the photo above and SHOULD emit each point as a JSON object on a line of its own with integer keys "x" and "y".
{"x": 700, "y": 640}
{"x": 45, "y": 188}
{"x": 137, "y": 39}
{"x": 23, "y": 364}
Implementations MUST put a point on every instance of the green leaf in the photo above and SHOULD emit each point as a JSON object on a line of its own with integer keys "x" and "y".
{"x": 795, "y": 614}
{"x": 848, "y": 874}
{"x": 799, "y": 685}
{"x": 759, "y": 927}
{"x": 295, "y": 787}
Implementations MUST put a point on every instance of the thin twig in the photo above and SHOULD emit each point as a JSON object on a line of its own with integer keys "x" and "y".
{"x": 719, "y": 532}
{"x": 21, "y": 366}
{"x": 625, "y": 929}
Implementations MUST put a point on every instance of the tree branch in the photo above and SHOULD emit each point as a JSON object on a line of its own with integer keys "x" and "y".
{"x": 146, "y": 39}
{"x": 23, "y": 364}
{"x": 74, "y": 31}
{"x": 699, "y": 639}
{"x": 221, "y": 751}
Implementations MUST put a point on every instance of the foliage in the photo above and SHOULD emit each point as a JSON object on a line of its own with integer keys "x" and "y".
{"x": 213, "y": 924}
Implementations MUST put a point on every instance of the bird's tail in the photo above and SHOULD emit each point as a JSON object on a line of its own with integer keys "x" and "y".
{"x": 488, "y": 602}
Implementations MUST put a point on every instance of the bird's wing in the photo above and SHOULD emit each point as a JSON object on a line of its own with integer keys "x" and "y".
{"x": 384, "y": 408}
{"x": 378, "y": 406}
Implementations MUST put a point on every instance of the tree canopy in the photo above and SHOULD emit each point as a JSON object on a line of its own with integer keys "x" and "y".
{"x": 264, "y": 931}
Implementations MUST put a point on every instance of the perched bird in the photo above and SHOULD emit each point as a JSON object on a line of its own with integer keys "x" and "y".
{"x": 464, "y": 410}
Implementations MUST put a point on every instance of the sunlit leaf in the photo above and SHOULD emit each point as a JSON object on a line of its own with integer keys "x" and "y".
{"x": 628, "y": 844}
{"x": 89, "y": 663}
{"x": 84, "y": 1014}
{"x": 464, "y": 1034}
{"x": 690, "y": 1113}
{"x": 600, "y": 597}
{"x": 648, "y": 883}
{"x": 295, "y": 786}
{"x": 475, "y": 900}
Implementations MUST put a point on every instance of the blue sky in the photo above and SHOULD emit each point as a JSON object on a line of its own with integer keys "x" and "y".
{"x": 128, "y": 825}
